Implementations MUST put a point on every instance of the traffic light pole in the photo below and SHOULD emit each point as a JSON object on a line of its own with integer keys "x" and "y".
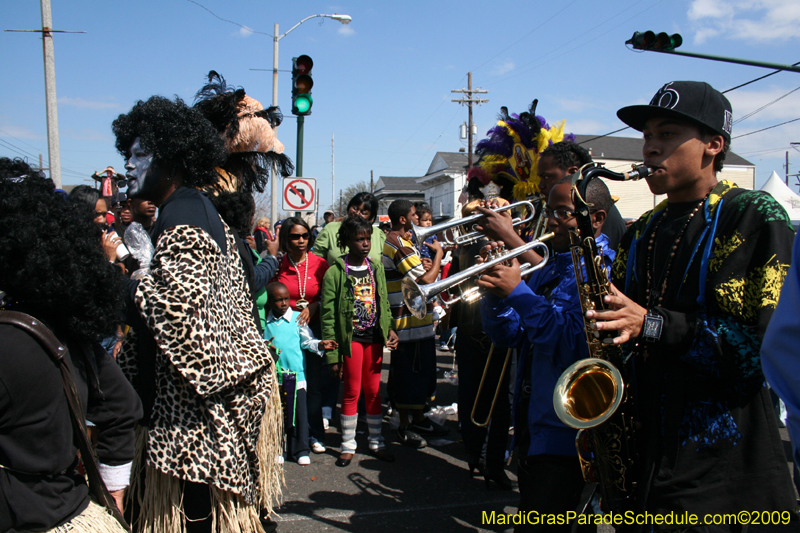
{"x": 299, "y": 162}
{"x": 301, "y": 120}
{"x": 763, "y": 64}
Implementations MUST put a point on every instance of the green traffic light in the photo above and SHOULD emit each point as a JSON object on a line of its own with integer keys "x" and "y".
{"x": 303, "y": 103}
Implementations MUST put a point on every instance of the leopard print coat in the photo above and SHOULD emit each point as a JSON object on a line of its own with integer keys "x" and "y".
{"x": 213, "y": 370}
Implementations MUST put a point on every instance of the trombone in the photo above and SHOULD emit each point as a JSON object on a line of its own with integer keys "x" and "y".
{"x": 496, "y": 392}
{"x": 463, "y": 229}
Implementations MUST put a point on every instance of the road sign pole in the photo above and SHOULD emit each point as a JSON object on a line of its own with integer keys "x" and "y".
{"x": 299, "y": 162}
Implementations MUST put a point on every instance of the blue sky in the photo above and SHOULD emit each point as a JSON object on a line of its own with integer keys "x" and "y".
{"x": 383, "y": 83}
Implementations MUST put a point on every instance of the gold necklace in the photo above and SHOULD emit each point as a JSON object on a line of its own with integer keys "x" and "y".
{"x": 301, "y": 302}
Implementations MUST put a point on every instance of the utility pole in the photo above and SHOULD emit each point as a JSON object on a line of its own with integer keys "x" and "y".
{"x": 470, "y": 101}
{"x": 333, "y": 176}
{"x": 371, "y": 182}
{"x": 787, "y": 167}
{"x": 53, "y": 150}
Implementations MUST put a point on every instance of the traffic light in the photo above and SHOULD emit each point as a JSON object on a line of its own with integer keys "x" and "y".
{"x": 649, "y": 40}
{"x": 301, "y": 85}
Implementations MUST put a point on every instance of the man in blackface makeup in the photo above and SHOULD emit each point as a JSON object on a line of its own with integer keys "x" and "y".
{"x": 211, "y": 431}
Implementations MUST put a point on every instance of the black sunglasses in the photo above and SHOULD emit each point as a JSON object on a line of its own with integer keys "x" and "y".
{"x": 298, "y": 236}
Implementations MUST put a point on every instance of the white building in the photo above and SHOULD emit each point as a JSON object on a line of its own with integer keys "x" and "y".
{"x": 443, "y": 182}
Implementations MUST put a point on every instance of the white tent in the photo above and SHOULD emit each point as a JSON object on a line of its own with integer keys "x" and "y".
{"x": 785, "y": 196}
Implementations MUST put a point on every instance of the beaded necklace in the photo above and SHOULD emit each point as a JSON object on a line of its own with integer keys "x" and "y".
{"x": 362, "y": 324}
{"x": 651, "y": 296}
{"x": 301, "y": 303}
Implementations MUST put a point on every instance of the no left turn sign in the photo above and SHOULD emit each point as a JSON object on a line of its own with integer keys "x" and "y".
{"x": 299, "y": 194}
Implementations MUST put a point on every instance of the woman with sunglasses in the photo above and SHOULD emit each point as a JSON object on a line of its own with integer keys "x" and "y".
{"x": 302, "y": 272}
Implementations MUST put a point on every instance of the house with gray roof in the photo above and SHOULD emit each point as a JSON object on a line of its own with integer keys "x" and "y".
{"x": 389, "y": 188}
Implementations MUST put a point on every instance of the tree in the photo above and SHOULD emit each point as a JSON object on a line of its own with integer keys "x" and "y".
{"x": 340, "y": 204}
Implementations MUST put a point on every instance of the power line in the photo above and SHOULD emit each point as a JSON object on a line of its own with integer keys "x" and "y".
{"x": 723, "y": 92}
{"x": 524, "y": 36}
{"x": 604, "y": 135}
{"x": 765, "y": 129}
{"x": 230, "y": 21}
{"x": 548, "y": 57}
{"x": 762, "y": 108}
{"x": 757, "y": 79}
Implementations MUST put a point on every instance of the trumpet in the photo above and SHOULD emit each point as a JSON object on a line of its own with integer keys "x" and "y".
{"x": 463, "y": 229}
{"x": 416, "y": 297}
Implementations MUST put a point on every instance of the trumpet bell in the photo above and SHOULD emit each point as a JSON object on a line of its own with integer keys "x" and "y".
{"x": 414, "y": 297}
{"x": 588, "y": 393}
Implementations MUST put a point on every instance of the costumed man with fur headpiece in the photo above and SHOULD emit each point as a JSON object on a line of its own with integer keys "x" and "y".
{"x": 248, "y": 132}
{"x": 211, "y": 430}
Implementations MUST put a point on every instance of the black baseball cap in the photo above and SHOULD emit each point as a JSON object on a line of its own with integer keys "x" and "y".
{"x": 695, "y": 101}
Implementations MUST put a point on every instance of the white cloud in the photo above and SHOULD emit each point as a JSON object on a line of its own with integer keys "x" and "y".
{"x": 504, "y": 68}
{"x": 86, "y": 104}
{"x": 707, "y": 8}
{"x": 752, "y": 20}
{"x": 244, "y": 31}
{"x": 347, "y": 31}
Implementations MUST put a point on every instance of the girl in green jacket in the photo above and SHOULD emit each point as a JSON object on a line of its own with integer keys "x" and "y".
{"x": 356, "y": 314}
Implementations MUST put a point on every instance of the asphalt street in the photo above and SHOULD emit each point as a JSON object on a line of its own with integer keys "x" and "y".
{"x": 423, "y": 490}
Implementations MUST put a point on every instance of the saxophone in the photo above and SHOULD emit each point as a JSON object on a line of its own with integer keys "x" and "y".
{"x": 591, "y": 395}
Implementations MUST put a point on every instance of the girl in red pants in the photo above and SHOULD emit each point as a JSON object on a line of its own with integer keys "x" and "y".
{"x": 356, "y": 314}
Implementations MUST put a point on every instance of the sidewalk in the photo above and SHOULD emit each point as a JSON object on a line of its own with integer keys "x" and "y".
{"x": 423, "y": 490}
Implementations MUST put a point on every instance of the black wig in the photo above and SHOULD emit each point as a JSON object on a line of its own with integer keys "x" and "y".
{"x": 237, "y": 209}
{"x": 180, "y": 138}
{"x": 51, "y": 262}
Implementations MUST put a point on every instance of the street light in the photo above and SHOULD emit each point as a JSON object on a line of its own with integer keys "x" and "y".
{"x": 344, "y": 19}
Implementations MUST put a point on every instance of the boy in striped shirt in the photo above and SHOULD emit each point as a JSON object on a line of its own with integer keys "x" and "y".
{"x": 412, "y": 376}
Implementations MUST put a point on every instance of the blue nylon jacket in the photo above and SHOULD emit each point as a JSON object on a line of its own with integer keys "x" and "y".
{"x": 549, "y": 335}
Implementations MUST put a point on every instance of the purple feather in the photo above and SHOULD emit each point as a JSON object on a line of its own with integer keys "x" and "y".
{"x": 545, "y": 125}
{"x": 570, "y": 137}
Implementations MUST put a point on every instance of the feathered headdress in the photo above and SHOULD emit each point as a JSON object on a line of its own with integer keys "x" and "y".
{"x": 249, "y": 134}
{"x": 509, "y": 157}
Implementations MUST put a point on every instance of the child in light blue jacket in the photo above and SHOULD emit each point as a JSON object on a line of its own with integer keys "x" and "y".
{"x": 293, "y": 340}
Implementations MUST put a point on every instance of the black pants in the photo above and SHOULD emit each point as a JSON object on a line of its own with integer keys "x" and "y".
{"x": 550, "y": 484}
{"x": 319, "y": 383}
{"x": 297, "y": 435}
{"x": 471, "y": 353}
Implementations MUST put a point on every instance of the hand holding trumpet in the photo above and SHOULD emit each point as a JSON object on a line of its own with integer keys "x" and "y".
{"x": 502, "y": 278}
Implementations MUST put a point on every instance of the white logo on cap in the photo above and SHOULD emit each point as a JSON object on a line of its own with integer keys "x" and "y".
{"x": 666, "y": 97}
{"x": 728, "y": 124}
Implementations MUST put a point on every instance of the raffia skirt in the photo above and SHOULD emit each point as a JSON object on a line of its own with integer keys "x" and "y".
{"x": 94, "y": 519}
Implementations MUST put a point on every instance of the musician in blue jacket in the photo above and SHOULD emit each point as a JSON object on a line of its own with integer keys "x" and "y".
{"x": 543, "y": 318}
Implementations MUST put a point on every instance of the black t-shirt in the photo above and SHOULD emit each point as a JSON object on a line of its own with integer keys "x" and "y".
{"x": 366, "y": 303}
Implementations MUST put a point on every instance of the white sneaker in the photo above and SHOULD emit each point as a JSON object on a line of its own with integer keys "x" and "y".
{"x": 326, "y": 424}
{"x": 304, "y": 461}
{"x": 279, "y": 460}
{"x": 317, "y": 447}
